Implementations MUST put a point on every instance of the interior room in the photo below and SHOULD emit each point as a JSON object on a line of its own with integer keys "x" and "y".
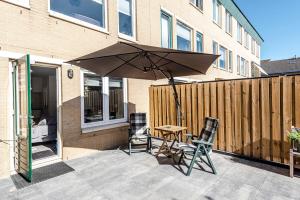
{"x": 44, "y": 112}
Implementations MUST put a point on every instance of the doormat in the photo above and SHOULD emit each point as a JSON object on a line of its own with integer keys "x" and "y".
{"x": 42, "y": 174}
{"x": 42, "y": 154}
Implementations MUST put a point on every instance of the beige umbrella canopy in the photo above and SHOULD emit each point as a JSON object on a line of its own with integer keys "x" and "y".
{"x": 128, "y": 60}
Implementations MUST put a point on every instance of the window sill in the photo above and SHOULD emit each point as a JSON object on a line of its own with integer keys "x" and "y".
{"x": 127, "y": 38}
{"x": 78, "y": 22}
{"x": 216, "y": 23}
{"x": 196, "y": 7}
{"x": 103, "y": 127}
{"x": 230, "y": 34}
{"x": 26, "y": 6}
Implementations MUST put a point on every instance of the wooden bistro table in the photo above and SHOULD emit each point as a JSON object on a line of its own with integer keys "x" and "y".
{"x": 166, "y": 131}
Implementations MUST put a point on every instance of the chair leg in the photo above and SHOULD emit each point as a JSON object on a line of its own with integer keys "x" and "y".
{"x": 211, "y": 164}
{"x": 150, "y": 145}
{"x": 192, "y": 163}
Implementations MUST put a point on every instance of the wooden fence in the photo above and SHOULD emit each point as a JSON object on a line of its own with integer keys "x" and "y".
{"x": 255, "y": 114}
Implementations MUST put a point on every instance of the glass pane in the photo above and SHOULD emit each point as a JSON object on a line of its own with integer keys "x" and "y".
{"x": 199, "y": 42}
{"x": 116, "y": 98}
{"x": 183, "y": 38}
{"x": 215, "y": 51}
{"x": 125, "y": 17}
{"x": 222, "y": 58}
{"x": 215, "y": 11}
{"x": 166, "y": 31}
{"x": 90, "y": 11}
{"x": 93, "y": 98}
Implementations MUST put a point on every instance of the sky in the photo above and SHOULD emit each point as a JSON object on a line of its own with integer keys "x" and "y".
{"x": 278, "y": 22}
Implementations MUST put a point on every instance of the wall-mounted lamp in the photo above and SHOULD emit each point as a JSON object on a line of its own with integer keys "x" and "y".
{"x": 70, "y": 73}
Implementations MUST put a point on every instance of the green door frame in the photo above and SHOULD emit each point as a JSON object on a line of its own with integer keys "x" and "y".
{"x": 28, "y": 174}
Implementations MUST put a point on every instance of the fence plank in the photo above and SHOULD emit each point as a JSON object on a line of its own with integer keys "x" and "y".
{"x": 156, "y": 113}
{"x": 287, "y": 115}
{"x": 200, "y": 106}
{"x": 220, "y": 100}
{"x": 168, "y": 114}
{"x": 213, "y": 109}
{"x": 163, "y": 106}
{"x": 151, "y": 109}
{"x": 276, "y": 127}
{"x": 265, "y": 118}
{"x": 247, "y": 146}
{"x": 228, "y": 122}
{"x": 159, "y": 108}
{"x": 183, "y": 106}
{"x": 188, "y": 89}
{"x": 237, "y": 118}
{"x": 297, "y": 101}
{"x": 256, "y": 133}
{"x": 194, "y": 109}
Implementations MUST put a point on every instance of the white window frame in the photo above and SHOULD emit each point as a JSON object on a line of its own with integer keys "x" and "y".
{"x": 185, "y": 25}
{"x": 216, "y": 63}
{"x": 230, "y": 61}
{"x": 228, "y": 22}
{"x": 225, "y": 56}
{"x": 239, "y": 32}
{"x": 246, "y": 34}
{"x": 253, "y": 47}
{"x": 217, "y": 21}
{"x": 106, "y": 120}
{"x": 257, "y": 50}
{"x": 80, "y": 22}
{"x": 122, "y": 35}
{"x": 25, "y": 4}
{"x": 196, "y": 34}
{"x": 193, "y": 2}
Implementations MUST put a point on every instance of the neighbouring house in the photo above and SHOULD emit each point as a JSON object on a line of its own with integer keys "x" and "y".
{"x": 281, "y": 67}
{"x": 75, "y": 112}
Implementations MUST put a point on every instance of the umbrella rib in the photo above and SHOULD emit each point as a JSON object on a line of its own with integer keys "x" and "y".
{"x": 101, "y": 57}
{"x": 178, "y": 63}
{"x": 130, "y": 64}
{"x": 125, "y": 62}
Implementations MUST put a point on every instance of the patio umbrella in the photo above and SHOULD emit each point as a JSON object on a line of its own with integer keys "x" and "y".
{"x": 128, "y": 60}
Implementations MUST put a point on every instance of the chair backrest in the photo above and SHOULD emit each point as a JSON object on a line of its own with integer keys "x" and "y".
{"x": 138, "y": 123}
{"x": 209, "y": 131}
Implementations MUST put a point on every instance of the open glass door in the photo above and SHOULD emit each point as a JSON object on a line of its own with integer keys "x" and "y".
{"x": 22, "y": 104}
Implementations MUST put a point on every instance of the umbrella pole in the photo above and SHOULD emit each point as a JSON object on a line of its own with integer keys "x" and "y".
{"x": 178, "y": 110}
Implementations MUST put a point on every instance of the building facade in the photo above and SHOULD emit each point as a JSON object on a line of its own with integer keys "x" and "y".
{"x": 86, "y": 112}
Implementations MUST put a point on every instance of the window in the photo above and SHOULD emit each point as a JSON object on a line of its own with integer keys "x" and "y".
{"x": 239, "y": 33}
{"x": 246, "y": 39}
{"x": 116, "y": 98}
{"x": 238, "y": 64}
{"x": 24, "y": 3}
{"x": 89, "y": 12}
{"x": 223, "y": 58}
{"x": 257, "y": 50}
{"x": 166, "y": 30}
{"x": 217, "y": 12}
{"x": 215, "y": 51}
{"x": 93, "y": 98}
{"x": 246, "y": 68}
{"x": 253, "y": 46}
{"x": 228, "y": 23}
{"x": 103, "y": 100}
{"x": 230, "y": 64}
{"x": 242, "y": 69}
{"x": 198, "y": 3}
{"x": 183, "y": 37}
{"x": 126, "y": 17}
{"x": 199, "y": 42}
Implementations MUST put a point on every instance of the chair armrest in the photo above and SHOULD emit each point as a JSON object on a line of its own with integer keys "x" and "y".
{"x": 202, "y": 142}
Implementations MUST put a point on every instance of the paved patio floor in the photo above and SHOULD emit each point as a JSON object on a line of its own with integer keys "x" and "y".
{"x": 115, "y": 175}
